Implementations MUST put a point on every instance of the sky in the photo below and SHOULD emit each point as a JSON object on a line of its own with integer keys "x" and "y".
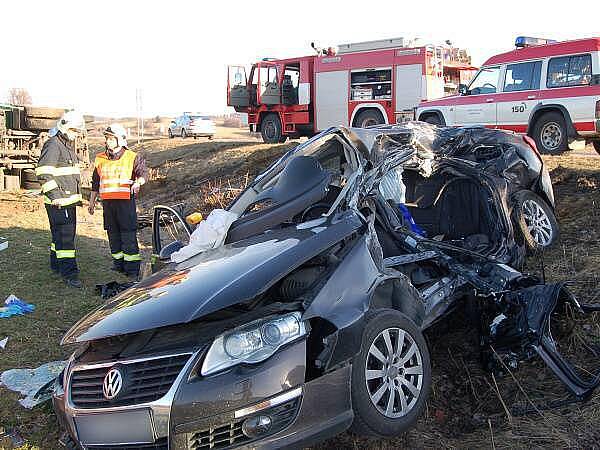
{"x": 92, "y": 55}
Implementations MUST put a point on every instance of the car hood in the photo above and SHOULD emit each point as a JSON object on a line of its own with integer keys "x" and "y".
{"x": 212, "y": 280}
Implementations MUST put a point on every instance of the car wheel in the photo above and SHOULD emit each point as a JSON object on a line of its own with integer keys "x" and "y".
{"x": 535, "y": 221}
{"x": 170, "y": 134}
{"x": 270, "y": 129}
{"x": 368, "y": 118}
{"x": 433, "y": 119}
{"x": 550, "y": 133}
{"x": 183, "y": 133}
{"x": 391, "y": 375}
{"x": 596, "y": 145}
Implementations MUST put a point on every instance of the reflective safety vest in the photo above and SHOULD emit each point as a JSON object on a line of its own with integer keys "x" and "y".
{"x": 115, "y": 175}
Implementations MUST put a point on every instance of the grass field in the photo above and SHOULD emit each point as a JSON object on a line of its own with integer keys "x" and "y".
{"x": 468, "y": 408}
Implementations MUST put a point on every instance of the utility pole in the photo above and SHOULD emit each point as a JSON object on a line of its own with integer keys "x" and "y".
{"x": 139, "y": 111}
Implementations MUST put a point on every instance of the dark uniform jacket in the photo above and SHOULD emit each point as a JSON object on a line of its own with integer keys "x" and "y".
{"x": 58, "y": 172}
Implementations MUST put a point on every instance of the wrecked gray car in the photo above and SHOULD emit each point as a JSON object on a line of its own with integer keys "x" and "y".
{"x": 309, "y": 319}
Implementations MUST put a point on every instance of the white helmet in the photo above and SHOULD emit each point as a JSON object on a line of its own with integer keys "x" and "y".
{"x": 117, "y": 130}
{"x": 71, "y": 120}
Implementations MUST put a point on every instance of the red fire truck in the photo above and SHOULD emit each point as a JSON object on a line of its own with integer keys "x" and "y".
{"x": 360, "y": 84}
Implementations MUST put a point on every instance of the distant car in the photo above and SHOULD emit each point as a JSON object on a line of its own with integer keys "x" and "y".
{"x": 194, "y": 125}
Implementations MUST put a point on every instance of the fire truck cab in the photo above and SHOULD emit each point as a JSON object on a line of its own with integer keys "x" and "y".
{"x": 360, "y": 84}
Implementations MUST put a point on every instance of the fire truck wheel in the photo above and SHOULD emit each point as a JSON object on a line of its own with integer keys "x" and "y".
{"x": 596, "y": 145}
{"x": 270, "y": 129}
{"x": 550, "y": 133}
{"x": 368, "y": 118}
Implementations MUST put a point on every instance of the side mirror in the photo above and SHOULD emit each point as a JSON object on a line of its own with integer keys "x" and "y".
{"x": 463, "y": 89}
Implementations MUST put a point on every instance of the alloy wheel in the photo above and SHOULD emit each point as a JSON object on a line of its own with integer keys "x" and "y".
{"x": 551, "y": 135}
{"x": 394, "y": 372}
{"x": 538, "y": 222}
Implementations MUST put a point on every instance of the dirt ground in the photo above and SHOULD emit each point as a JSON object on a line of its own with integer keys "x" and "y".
{"x": 468, "y": 407}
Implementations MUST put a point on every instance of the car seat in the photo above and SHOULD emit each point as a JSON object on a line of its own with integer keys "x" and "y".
{"x": 302, "y": 183}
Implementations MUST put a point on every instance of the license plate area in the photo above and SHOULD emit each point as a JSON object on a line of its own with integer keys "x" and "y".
{"x": 124, "y": 427}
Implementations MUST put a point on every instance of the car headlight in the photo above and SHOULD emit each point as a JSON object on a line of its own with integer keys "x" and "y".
{"x": 253, "y": 343}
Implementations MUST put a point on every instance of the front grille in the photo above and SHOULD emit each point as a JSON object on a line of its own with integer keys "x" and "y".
{"x": 231, "y": 435}
{"x": 162, "y": 444}
{"x": 145, "y": 381}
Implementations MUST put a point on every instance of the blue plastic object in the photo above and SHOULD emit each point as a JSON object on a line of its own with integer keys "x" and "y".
{"x": 411, "y": 222}
{"x": 15, "y": 307}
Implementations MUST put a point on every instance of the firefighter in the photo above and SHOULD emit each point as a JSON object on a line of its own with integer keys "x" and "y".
{"x": 118, "y": 175}
{"x": 58, "y": 173}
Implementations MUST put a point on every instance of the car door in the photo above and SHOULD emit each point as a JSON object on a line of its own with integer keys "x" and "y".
{"x": 478, "y": 106}
{"x": 170, "y": 232}
{"x": 520, "y": 94}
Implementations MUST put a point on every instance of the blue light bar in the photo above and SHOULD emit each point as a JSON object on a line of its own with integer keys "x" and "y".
{"x": 525, "y": 41}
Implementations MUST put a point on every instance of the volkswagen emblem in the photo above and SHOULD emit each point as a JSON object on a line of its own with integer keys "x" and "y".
{"x": 113, "y": 382}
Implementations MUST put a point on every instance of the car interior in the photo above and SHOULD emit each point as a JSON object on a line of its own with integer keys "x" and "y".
{"x": 294, "y": 191}
{"x": 448, "y": 208}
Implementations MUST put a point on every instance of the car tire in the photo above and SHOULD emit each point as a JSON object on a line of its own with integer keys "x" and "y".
{"x": 183, "y": 133}
{"x": 29, "y": 175}
{"x": 32, "y": 123}
{"x": 41, "y": 112}
{"x": 432, "y": 119}
{"x": 550, "y": 133}
{"x": 270, "y": 129}
{"x": 368, "y": 118}
{"x": 535, "y": 221}
{"x": 374, "y": 413}
{"x": 596, "y": 145}
{"x": 31, "y": 185}
{"x": 170, "y": 133}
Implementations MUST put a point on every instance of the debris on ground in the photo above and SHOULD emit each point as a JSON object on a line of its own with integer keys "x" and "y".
{"x": 10, "y": 439}
{"x": 14, "y": 306}
{"x": 3, "y": 343}
{"x": 112, "y": 288}
{"x": 3, "y": 243}
{"x": 35, "y": 384}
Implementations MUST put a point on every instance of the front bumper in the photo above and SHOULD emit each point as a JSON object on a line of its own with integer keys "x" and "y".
{"x": 201, "y": 131}
{"x": 209, "y": 412}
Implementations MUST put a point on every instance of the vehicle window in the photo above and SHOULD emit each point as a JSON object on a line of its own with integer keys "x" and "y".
{"x": 569, "y": 71}
{"x": 268, "y": 75}
{"x": 486, "y": 81}
{"x": 292, "y": 75}
{"x": 523, "y": 76}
